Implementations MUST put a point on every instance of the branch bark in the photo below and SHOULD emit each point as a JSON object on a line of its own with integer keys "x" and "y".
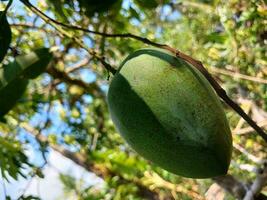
{"x": 91, "y": 88}
{"x": 231, "y": 185}
{"x": 242, "y": 191}
{"x": 64, "y": 33}
{"x": 234, "y": 74}
{"x": 258, "y": 184}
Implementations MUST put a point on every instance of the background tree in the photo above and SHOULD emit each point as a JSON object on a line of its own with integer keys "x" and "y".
{"x": 55, "y": 70}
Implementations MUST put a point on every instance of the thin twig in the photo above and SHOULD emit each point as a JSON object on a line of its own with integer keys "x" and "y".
{"x": 231, "y": 185}
{"x": 237, "y": 75}
{"x": 246, "y": 153}
{"x": 91, "y": 88}
{"x": 249, "y": 129}
{"x": 8, "y": 5}
{"x": 53, "y": 23}
{"x": 258, "y": 183}
{"x": 197, "y": 64}
{"x": 221, "y": 92}
{"x": 159, "y": 182}
{"x": 78, "y": 66}
{"x": 241, "y": 121}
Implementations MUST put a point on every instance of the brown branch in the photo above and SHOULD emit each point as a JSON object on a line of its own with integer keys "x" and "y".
{"x": 242, "y": 191}
{"x": 91, "y": 88}
{"x": 220, "y": 91}
{"x": 162, "y": 183}
{"x": 231, "y": 185}
{"x": 197, "y": 64}
{"x": 28, "y": 25}
{"x": 78, "y": 66}
{"x": 74, "y": 27}
{"x": 246, "y": 153}
{"x": 91, "y": 51}
{"x": 215, "y": 192}
{"x": 228, "y": 182}
{"x": 258, "y": 184}
{"x": 238, "y": 75}
{"x": 249, "y": 129}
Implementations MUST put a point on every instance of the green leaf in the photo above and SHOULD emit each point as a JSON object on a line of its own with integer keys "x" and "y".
{"x": 10, "y": 94}
{"x": 5, "y": 35}
{"x": 44, "y": 57}
{"x": 216, "y": 37}
{"x": 12, "y": 158}
{"x": 14, "y": 77}
{"x": 134, "y": 13}
{"x": 29, "y": 66}
{"x": 59, "y": 9}
{"x": 146, "y": 4}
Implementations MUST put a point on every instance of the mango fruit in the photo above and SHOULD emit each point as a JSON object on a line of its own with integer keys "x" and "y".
{"x": 169, "y": 113}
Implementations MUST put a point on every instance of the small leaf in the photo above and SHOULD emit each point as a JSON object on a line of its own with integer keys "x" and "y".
{"x": 10, "y": 94}
{"x": 5, "y": 35}
{"x": 38, "y": 67}
{"x": 58, "y": 7}
{"x": 216, "y": 37}
{"x": 149, "y": 4}
{"x": 14, "y": 77}
{"x": 134, "y": 13}
{"x": 13, "y": 160}
{"x": 30, "y": 66}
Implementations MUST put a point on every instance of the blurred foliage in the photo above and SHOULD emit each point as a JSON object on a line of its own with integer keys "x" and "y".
{"x": 5, "y": 35}
{"x": 67, "y": 104}
{"x": 12, "y": 158}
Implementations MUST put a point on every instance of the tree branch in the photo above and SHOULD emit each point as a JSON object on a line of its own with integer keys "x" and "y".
{"x": 242, "y": 191}
{"x": 91, "y": 88}
{"x": 53, "y": 23}
{"x": 221, "y": 92}
{"x": 258, "y": 183}
{"x": 197, "y": 64}
{"x": 249, "y": 129}
{"x": 238, "y": 75}
{"x": 231, "y": 185}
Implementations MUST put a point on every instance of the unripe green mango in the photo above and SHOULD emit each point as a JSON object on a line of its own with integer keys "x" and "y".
{"x": 169, "y": 113}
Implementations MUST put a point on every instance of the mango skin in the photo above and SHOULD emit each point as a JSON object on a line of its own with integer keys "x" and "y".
{"x": 169, "y": 114}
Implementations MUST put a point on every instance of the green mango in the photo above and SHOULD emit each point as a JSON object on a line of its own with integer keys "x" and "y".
{"x": 169, "y": 114}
